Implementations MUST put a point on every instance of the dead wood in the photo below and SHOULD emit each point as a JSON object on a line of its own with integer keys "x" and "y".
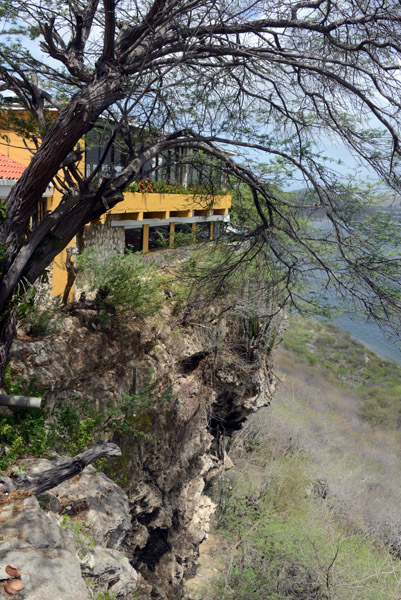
{"x": 46, "y": 480}
{"x": 71, "y": 274}
{"x": 97, "y": 304}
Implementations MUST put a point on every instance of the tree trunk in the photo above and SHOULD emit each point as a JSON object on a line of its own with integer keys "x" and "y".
{"x": 68, "y": 128}
{"x": 8, "y": 331}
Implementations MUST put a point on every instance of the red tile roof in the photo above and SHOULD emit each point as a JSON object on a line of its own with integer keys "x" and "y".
{"x": 10, "y": 168}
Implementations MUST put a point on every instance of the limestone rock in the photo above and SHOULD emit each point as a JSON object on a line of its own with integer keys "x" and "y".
{"x": 93, "y": 498}
{"x": 109, "y": 570}
{"x": 46, "y": 547}
{"x": 216, "y": 386}
{"x": 42, "y": 551}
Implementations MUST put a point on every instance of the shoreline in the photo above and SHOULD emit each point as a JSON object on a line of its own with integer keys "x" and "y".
{"x": 370, "y": 335}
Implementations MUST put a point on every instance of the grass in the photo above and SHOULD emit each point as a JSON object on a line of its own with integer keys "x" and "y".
{"x": 290, "y": 544}
{"x": 376, "y": 382}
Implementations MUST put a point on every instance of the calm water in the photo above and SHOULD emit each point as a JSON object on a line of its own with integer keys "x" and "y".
{"x": 371, "y": 336}
{"x": 368, "y": 332}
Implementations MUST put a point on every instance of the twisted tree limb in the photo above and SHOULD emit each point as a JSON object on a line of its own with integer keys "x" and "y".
{"x": 39, "y": 483}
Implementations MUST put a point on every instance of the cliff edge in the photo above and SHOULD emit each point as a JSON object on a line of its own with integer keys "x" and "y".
{"x": 215, "y": 373}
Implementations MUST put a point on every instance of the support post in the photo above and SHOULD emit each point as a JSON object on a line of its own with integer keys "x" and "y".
{"x": 145, "y": 239}
{"x": 171, "y": 235}
{"x": 211, "y": 229}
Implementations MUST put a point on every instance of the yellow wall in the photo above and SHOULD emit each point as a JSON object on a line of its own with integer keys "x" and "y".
{"x": 138, "y": 202}
{"x": 135, "y": 205}
{"x": 15, "y": 148}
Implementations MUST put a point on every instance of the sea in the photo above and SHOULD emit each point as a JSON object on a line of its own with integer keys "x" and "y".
{"x": 368, "y": 332}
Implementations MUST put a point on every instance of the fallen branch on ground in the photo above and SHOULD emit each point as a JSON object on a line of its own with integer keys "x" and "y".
{"x": 39, "y": 483}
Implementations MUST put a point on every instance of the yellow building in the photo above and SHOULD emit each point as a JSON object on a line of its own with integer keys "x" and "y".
{"x": 144, "y": 220}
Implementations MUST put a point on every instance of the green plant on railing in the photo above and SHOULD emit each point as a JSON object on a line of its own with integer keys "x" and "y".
{"x": 147, "y": 186}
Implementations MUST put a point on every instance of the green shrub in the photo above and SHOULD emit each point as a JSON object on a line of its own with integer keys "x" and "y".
{"x": 299, "y": 339}
{"x": 289, "y": 545}
{"x": 132, "y": 414}
{"x": 308, "y": 559}
{"x": 288, "y": 485}
{"x": 43, "y": 321}
{"x": 82, "y": 536}
{"x": 75, "y": 423}
{"x": 105, "y": 596}
{"x": 39, "y": 313}
{"x": 22, "y": 432}
{"x": 128, "y": 283}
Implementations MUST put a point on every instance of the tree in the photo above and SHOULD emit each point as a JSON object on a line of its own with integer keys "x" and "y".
{"x": 267, "y": 78}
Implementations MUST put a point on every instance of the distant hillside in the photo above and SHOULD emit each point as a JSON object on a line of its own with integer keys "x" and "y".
{"x": 388, "y": 202}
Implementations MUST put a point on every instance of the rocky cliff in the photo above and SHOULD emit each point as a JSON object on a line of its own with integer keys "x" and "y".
{"x": 216, "y": 380}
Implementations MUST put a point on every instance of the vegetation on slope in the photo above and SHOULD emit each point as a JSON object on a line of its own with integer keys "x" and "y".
{"x": 132, "y": 289}
{"x": 375, "y": 381}
{"x": 289, "y": 544}
{"x": 311, "y": 507}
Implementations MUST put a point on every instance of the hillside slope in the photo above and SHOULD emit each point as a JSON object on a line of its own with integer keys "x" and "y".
{"x": 312, "y": 506}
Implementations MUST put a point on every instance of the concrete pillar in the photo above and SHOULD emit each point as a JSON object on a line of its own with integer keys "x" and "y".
{"x": 211, "y": 229}
{"x": 145, "y": 239}
{"x": 193, "y": 232}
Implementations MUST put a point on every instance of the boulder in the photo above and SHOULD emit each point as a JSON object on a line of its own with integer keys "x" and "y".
{"x": 110, "y": 571}
{"x": 92, "y": 498}
{"x": 43, "y": 552}
{"x": 51, "y": 540}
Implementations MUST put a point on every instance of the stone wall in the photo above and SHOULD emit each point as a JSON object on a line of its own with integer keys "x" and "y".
{"x": 108, "y": 240}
